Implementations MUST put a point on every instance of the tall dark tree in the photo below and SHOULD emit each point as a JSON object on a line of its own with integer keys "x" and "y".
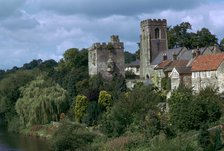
{"x": 222, "y": 44}
{"x": 180, "y": 36}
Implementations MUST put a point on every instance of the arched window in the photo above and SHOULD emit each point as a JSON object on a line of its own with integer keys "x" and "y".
{"x": 157, "y": 34}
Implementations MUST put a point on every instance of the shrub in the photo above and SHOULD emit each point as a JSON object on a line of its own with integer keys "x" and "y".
{"x": 81, "y": 104}
{"x": 72, "y": 136}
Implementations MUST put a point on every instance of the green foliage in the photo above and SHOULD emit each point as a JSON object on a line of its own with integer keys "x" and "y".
{"x": 81, "y": 104}
{"x": 183, "y": 142}
{"x": 129, "y": 110}
{"x": 204, "y": 137}
{"x": 166, "y": 83}
{"x": 222, "y": 44}
{"x": 10, "y": 92}
{"x": 179, "y": 36}
{"x": 188, "y": 111}
{"x": 72, "y": 136}
{"x": 33, "y": 64}
{"x": 218, "y": 141}
{"x": 41, "y": 101}
{"x": 105, "y": 99}
{"x": 93, "y": 113}
{"x": 129, "y": 57}
{"x": 72, "y": 69}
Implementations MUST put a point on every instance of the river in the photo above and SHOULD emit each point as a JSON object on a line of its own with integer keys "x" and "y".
{"x": 16, "y": 142}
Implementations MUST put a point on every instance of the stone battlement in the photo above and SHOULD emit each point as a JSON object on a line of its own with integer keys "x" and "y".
{"x": 154, "y": 22}
{"x": 114, "y": 43}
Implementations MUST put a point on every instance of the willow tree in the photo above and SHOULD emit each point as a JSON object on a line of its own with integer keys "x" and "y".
{"x": 41, "y": 101}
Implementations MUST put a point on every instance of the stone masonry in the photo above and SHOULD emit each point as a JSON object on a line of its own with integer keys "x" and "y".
{"x": 153, "y": 40}
{"x": 107, "y": 58}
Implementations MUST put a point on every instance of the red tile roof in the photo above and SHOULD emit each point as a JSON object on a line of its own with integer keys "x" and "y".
{"x": 176, "y": 63}
{"x": 163, "y": 64}
{"x": 207, "y": 62}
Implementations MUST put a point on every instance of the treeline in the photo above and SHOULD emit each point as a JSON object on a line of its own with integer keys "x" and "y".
{"x": 94, "y": 114}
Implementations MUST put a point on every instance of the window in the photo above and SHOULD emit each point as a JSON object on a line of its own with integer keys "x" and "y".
{"x": 195, "y": 74}
{"x": 208, "y": 74}
{"x": 157, "y": 33}
{"x": 202, "y": 74}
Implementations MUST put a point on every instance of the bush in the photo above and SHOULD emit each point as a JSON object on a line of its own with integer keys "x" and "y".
{"x": 81, "y": 104}
{"x": 72, "y": 136}
{"x": 105, "y": 99}
{"x": 188, "y": 111}
{"x": 130, "y": 110}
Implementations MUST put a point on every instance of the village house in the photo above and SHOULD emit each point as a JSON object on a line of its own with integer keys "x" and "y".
{"x": 180, "y": 76}
{"x": 133, "y": 67}
{"x": 208, "y": 70}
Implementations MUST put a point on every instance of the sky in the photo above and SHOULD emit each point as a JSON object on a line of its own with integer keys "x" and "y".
{"x": 45, "y": 29}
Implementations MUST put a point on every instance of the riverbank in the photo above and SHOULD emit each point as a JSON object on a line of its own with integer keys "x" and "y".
{"x": 41, "y": 131}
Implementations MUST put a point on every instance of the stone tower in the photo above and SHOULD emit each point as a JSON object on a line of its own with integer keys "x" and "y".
{"x": 107, "y": 58}
{"x": 153, "y": 40}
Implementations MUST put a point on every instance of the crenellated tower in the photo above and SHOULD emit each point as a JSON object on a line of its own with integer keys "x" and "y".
{"x": 153, "y": 40}
{"x": 107, "y": 58}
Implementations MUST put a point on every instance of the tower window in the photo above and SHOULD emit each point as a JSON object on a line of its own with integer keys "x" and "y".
{"x": 157, "y": 33}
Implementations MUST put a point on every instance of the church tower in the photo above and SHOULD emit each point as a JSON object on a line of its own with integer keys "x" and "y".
{"x": 153, "y": 40}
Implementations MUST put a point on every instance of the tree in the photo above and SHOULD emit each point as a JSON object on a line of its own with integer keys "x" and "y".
{"x": 33, "y": 64}
{"x": 10, "y": 91}
{"x": 72, "y": 69}
{"x": 130, "y": 110}
{"x": 81, "y": 104}
{"x": 105, "y": 99}
{"x": 222, "y": 44}
{"x": 188, "y": 111}
{"x": 129, "y": 57}
{"x": 41, "y": 101}
{"x": 72, "y": 136}
{"x": 205, "y": 38}
{"x": 180, "y": 36}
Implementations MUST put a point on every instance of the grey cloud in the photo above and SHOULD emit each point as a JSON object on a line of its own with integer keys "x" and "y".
{"x": 8, "y": 7}
{"x": 119, "y": 7}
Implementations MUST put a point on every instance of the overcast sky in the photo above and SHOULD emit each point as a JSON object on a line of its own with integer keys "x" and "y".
{"x": 33, "y": 29}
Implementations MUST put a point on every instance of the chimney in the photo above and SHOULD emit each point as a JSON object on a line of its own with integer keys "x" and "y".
{"x": 193, "y": 53}
{"x": 164, "y": 56}
{"x": 174, "y": 56}
{"x": 198, "y": 52}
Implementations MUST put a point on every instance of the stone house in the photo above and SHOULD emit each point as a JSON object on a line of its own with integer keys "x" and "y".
{"x": 165, "y": 69}
{"x": 180, "y": 76}
{"x": 208, "y": 70}
{"x": 107, "y": 58}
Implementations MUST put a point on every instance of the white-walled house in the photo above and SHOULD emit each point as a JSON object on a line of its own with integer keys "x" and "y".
{"x": 133, "y": 67}
{"x": 208, "y": 70}
{"x": 180, "y": 75}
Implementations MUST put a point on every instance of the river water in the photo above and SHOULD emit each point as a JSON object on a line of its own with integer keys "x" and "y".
{"x": 16, "y": 142}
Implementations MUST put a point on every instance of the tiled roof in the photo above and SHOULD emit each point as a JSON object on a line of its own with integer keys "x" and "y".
{"x": 135, "y": 63}
{"x": 163, "y": 64}
{"x": 183, "y": 69}
{"x": 169, "y": 53}
{"x": 176, "y": 63}
{"x": 207, "y": 62}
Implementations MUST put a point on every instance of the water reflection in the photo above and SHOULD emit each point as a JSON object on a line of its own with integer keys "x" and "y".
{"x": 16, "y": 142}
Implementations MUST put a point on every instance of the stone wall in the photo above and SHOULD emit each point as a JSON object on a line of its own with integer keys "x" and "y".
{"x": 202, "y": 82}
{"x": 220, "y": 77}
{"x": 107, "y": 58}
{"x": 151, "y": 43}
